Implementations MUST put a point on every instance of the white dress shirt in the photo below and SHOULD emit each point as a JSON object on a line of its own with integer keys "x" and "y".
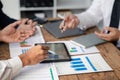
{"x": 9, "y": 68}
{"x": 99, "y": 10}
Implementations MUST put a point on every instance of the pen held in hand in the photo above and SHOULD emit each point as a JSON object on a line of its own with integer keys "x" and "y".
{"x": 63, "y": 24}
{"x": 106, "y": 31}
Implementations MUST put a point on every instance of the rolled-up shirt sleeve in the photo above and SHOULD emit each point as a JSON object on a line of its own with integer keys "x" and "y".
{"x": 9, "y": 68}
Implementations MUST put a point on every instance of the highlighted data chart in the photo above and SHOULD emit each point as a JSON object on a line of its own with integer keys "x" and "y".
{"x": 83, "y": 64}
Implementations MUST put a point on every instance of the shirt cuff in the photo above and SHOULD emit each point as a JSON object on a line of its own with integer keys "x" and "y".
{"x": 81, "y": 25}
{"x": 16, "y": 65}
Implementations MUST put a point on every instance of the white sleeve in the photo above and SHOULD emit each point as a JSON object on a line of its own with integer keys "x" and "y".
{"x": 91, "y": 16}
{"x": 9, "y": 68}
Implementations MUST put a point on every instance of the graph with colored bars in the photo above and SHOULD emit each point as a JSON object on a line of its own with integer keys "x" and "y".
{"x": 75, "y": 50}
{"x": 25, "y": 46}
{"x": 83, "y": 64}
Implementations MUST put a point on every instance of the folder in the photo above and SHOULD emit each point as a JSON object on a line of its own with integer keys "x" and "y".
{"x": 53, "y": 28}
{"x": 88, "y": 40}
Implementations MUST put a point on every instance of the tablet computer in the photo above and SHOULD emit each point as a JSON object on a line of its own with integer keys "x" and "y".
{"x": 57, "y": 52}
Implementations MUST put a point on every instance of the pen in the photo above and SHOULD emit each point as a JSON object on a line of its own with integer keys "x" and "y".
{"x": 106, "y": 31}
{"x": 63, "y": 22}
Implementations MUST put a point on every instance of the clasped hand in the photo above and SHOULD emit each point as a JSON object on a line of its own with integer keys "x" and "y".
{"x": 23, "y": 31}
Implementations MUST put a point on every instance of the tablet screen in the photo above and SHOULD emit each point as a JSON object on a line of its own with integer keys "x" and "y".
{"x": 57, "y": 52}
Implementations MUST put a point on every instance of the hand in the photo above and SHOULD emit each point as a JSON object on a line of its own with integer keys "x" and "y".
{"x": 34, "y": 55}
{"x": 70, "y": 21}
{"x": 113, "y": 34}
{"x": 27, "y": 27}
{"x": 10, "y": 34}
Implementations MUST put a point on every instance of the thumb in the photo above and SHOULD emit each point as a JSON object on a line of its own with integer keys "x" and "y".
{"x": 15, "y": 24}
{"x": 109, "y": 28}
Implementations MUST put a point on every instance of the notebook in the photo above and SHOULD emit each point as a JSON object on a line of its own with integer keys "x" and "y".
{"x": 89, "y": 40}
{"x": 53, "y": 28}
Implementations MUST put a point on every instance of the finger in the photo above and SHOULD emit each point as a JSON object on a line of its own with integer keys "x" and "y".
{"x": 61, "y": 25}
{"x": 74, "y": 24}
{"x": 15, "y": 24}
{"x": 34, "y": 23}
{"x": 101, "y": 35}
{"x": 24, "y": 21}
{"x": 34, "y": 29}
{"x": 46, "y": 56}
{"x": 77, "y": 21}
{"x": 71, "y": 24}
{"x": 45, "y": 47}
{"x": 67, "y": 17}
{"x": 110, "y": 28}
{"x": 29, "y": 22}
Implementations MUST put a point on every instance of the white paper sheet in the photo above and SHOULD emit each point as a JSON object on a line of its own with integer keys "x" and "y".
{"x": 83, "y": 64}
{"x": 37, "y": 72}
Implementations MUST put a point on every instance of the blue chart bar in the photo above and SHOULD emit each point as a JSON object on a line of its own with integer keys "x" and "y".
{"x": 24, "y": 50}
{"x": 73, "y": 49}
{"x": 93, "y": 67}
{"x": 74, "y": 59}
{"x": 82, "y": 49}
{"x": 77, "y": 64}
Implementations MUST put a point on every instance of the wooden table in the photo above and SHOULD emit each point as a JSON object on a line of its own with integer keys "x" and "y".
{"x": 109, "y": 52}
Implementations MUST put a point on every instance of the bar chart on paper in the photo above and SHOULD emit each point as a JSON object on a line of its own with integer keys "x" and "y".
{"x": 83, "y": 64}
{"x": 75, "y": 50}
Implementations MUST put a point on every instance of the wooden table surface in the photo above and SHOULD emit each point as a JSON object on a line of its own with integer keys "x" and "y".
{"x": 109, "y": 52}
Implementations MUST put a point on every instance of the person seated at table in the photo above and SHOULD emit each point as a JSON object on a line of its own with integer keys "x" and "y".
{"x": 27, "y": 26}
{"x": 98, "y": 11}
{"x": 9, "y": 68}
